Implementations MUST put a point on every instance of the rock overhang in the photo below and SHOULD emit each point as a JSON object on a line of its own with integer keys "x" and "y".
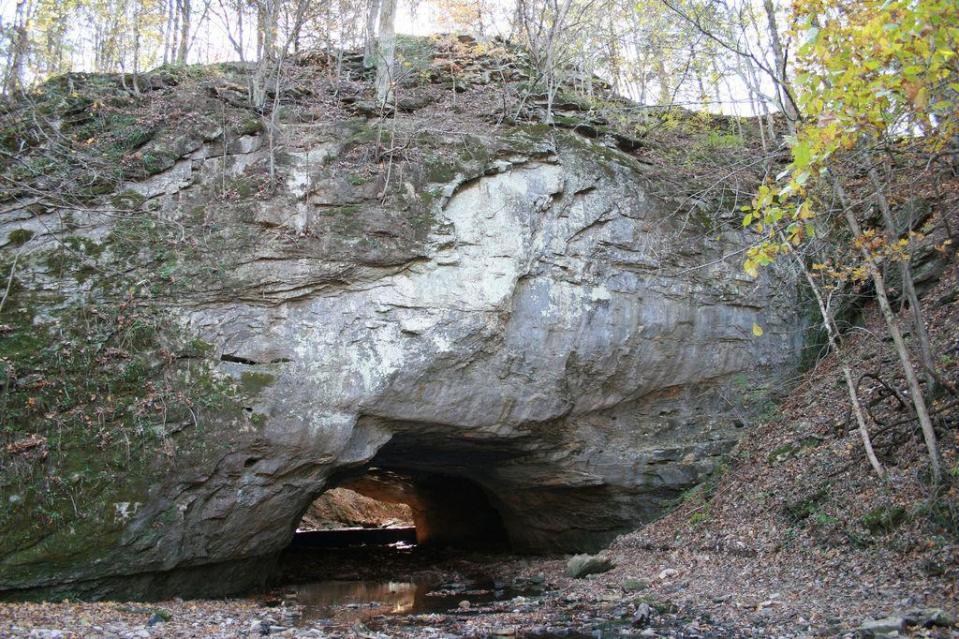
{"x": 538, "y": 322}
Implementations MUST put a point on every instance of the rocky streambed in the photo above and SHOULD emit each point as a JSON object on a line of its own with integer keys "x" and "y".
{"x": 379, "y": 592}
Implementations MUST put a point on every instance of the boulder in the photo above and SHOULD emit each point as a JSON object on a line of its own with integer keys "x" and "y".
{"x": 580, "y": 566}
{"x": 882, "y": 628}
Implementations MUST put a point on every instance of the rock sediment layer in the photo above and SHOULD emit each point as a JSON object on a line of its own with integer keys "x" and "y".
{"x": 531, "y": 319}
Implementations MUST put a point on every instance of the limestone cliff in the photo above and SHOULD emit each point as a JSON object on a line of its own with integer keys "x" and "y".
{"x": 536, "y": 311}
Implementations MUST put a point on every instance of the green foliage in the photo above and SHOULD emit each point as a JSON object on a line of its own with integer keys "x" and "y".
{"x": 884, "y": 519}
{"x": 92, "y": 408}
{"x": 414, "y": 55}
{"x": 797, "y": 511}
{"x": 942, "y": 512}
{"x": 782, "y": 453}
{"x": 253, "y": 383}
{"x": 101, "y": 393}
{"x": 869, "y": 72}
{"x": 792, "y": 449}
{"x": 719, "y": 140}
{"x": 825, "y": 519}
{"x": 250, "y": 126}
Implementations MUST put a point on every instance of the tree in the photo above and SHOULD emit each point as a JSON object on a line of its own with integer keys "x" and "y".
{"x": 14, "y": 78}
{"x": 185, "y": 11}
{"x": 369, "y": 34}
{"x": 870, "y": 71}
{"x": 386, "y": 52}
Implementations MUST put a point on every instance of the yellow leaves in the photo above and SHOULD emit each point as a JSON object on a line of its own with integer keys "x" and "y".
{"x": 802, "y": 155}
{"x": 805, "y": 212}
{"x": 757, "y": 330}
{"x": 876, "y": 65}
{"x": 762, "y": 254}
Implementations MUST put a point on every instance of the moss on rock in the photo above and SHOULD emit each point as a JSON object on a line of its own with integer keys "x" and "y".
{"x": 19, "y": 237}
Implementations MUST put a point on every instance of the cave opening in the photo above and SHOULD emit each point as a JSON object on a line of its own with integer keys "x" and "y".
{"x": 422, "y": 501}
{"x": 397, "y": 539}
{"x": 428, "y": 483}
{"x": 379, "y": 507}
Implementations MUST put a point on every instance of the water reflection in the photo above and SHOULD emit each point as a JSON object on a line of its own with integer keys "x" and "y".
{"x": 359, "y": 600}
{"x": 351, "y": 601}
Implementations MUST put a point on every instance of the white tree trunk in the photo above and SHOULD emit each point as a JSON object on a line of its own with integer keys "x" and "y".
{"x": 832, "y": 333}
{"x": 892, "y": 324}
{"x": 369, "y": 43}
{"x": 385, "y": 53}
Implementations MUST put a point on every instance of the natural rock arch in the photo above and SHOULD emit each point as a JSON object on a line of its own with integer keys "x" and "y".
{"x": 533, "y": 319}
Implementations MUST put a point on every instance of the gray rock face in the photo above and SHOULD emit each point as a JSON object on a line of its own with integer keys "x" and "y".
{"x": 545, "y": 328}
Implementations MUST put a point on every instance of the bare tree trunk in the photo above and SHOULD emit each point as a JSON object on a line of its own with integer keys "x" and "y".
{"x": 782, "y": 88}
{"x": 266, "y": 12}
{"x": 918, "y": 401}
{"x": 613, "y": 46}
{"x": 665, "y": 94}
{"x": 168, "y": 31}
{"x": 239, "y": 31}
{"x": 17, "y": 58}
{"x": 908, "y": 286}
{"x": 369, "y": 44}
{"x": 832, "y": 333}
{"x": 385, "y": 53}
{"x": 260, "y": 21}
{"x": 184, "y": 49}
{"x": 175, "y": 31}
{"x": 136, "y": 46}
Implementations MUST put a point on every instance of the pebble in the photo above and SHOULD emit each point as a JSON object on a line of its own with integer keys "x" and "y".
{"x": 643, "y": 615}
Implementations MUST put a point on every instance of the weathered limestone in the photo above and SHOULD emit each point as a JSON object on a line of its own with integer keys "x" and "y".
{"x": 541, "y": 326}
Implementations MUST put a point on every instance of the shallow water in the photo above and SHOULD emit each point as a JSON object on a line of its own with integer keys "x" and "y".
{"x": 345, "y": 601}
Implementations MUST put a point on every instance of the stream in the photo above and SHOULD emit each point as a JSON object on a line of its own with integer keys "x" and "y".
{"x": 352, "y": 601}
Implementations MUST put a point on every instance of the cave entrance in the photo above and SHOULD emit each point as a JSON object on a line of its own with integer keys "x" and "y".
{"x": 380, "y": 506}
{"x": 357, "y": 574}
{"x": 342, "y": 517}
